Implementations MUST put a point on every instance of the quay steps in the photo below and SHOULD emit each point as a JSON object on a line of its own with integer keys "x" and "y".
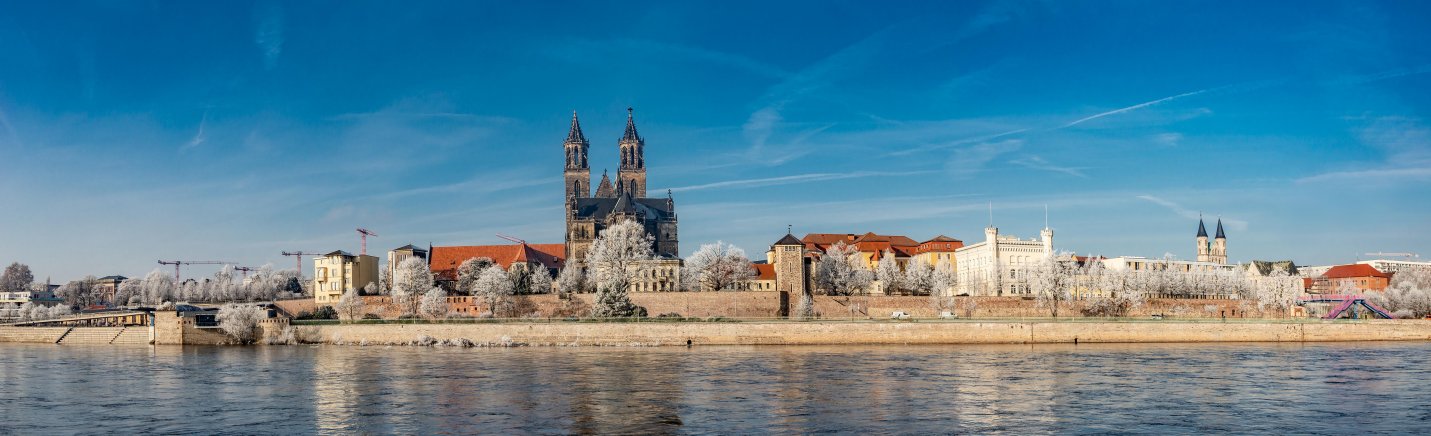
{"x": 91, "y": 336}
{"x": 132, "y": 336}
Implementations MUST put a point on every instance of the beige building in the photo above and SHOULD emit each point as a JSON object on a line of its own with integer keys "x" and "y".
{"x": 996, "y": 266}
{"x": 397, "y": 255}
{"x": 336, "y": 272}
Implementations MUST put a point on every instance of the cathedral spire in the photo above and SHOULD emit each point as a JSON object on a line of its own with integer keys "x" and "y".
{"x": 1219, "y": 230}
{"x": 1201, "y": 229}
{"x": 574, "y": 135}
{"x": 630, "y": 135}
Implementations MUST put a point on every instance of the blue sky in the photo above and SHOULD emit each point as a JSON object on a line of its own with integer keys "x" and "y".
{"x": 136, "y": 131}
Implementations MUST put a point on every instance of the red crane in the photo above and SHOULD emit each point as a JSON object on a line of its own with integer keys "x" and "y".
{"x": 298, "y": 255}
{"x": 512, "y": 238}
{"x": 365, "y": 233}
{"x": 177, "y": 263}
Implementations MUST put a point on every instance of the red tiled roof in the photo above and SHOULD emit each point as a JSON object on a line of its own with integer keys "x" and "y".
{"x": 1354, "y": 270}
{"x": 445, "y": 260}
{"x": 764, "y": 271}
{"x": 869, "y": 242}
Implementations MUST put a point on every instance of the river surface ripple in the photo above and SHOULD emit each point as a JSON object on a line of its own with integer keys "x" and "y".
{"x": 1020, "y": 389}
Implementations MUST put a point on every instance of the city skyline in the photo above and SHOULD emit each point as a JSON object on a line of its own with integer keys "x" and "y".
{"x": 236, "y": 131}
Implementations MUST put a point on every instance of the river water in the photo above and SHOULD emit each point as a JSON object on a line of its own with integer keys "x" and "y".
{"x": 1021, "y": 389}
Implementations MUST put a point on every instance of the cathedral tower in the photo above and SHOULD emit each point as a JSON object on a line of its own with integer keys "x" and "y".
{"x": 1219, "y": 246}
{"x": 632, "y": 174}
{"x": 578, "y": 171}
{"x": 1203, "y": 250}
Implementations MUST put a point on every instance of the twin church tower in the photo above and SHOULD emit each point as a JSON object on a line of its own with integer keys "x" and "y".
{"x": 1216, "y": 252}
{"x": 587, "y": 212}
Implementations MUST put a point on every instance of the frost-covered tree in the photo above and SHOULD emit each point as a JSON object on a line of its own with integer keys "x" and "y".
{"x": 158, "y": 287}
{"x": 16, "y": 278}
{"x": 919, "y": 276}
{"x": 385, "y": 282}
{"x": 888, "y": 273}
{"x": 571, "y": 280}
{"x": 540, "y": 280}
{"x": 494, "y": 287}
{"x": 469, "y": 270}
{"x": 1277, "y": 291}
{"x": 23, "y": 312}
{"x": 82, "y": 292}
{"x": 59, "y": 311}
{"x": 842, "y": 271}
{"x": 241, "y": 321}
{"x": 434, "y": 303}
{"x": 620, "y": 255}
{"x": 351, "y": 304}
{"x": 716, "y": 267}
{"x": 411, "y": 280}
{"x": 1049, "y": 279}
{"x": 944, "y": 279}
{"x": 128, "y": 291}
{"x": 806, "y": 309}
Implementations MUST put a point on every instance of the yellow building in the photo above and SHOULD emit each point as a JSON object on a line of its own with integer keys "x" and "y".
{"x": 336, "y": 272}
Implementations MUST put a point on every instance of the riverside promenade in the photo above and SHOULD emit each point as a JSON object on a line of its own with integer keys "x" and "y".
{"x": 870, "y": 332}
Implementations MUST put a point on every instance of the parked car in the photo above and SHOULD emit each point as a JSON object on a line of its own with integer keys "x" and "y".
{"x": 899, "y": 315}
{"x": 947, "y": 315}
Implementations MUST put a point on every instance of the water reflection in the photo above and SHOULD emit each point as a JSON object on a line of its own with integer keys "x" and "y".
{"x": 734, "y": 390}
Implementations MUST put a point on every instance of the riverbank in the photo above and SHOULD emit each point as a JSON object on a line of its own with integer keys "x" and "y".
{"x": 864, "y": 333}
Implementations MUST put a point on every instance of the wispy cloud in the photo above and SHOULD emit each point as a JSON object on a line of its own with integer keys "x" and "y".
{"x": 1191, "y": 214}
{"x": 787, "y": 180}
{"x": 1133, "y": 107}
{"x": 199, "y": 136}
{"x": 269, "y": 34}
{"x": 1405, "y": 143}
{"x": 1039, "y": 163}
{"x": 969, "y": 161}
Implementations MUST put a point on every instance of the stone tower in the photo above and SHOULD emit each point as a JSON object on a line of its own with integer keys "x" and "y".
{"x": 1204, "y": 252}
{"x": 788, "y": 258}
{"x": 578, "y": 170}
{"x": 632, "y": 174}
{"x": 1218, "y": 253}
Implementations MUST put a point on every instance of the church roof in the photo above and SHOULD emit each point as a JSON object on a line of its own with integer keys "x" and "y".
{"x": 630, "y": 135}
{"x": 445, "y": 260}
{"x": 604, "y": 189}
{"x": 600, "y": 208}
{"x": 1219, "y": 230}
{"x": 789, "y": 239}
{"x": 575, "y": 135}
{"x": 1201, "y": 229}
{"x": 624, "y": 204}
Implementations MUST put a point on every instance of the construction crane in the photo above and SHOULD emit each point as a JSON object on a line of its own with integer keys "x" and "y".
{"x": 1408, "y": 256}
{"x": 244, "y": 270}
{"x": 177, "y": 263}
{"x": 298, "y": 255}
{"x": 365, "y": 233}
{"x": 511, "y": 238}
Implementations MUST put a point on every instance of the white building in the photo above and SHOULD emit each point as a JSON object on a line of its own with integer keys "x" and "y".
{"x": 1394, "y": 266}
{"x": 994, "y": 267}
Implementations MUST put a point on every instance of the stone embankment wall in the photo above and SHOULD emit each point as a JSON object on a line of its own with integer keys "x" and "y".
{"x": 768, "y": 305}
{"x": 861, "y": 333}
{"x": 39, "y": 335}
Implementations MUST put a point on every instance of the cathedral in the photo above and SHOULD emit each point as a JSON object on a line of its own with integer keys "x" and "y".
{"x": 587, "y": 213}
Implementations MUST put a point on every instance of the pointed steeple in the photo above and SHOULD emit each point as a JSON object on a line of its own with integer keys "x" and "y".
{"x": 630, "y": 135}
{"x": 1201, "y": 229}
{"x": 1219, "y": 230}
{"x": 574, "y": 135}
{"x": 604, "y": 189}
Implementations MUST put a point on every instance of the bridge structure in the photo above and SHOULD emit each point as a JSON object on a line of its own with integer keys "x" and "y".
{"x": 96, "y": 319}
{"x": 1352, "y": 305}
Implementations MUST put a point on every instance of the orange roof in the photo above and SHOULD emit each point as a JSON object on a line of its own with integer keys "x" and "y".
{"x": 1354, "y": 270}
{"x": 764, "y": 271}
{"x": 445, "y": 260}
{"x": 869, "y": 242}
